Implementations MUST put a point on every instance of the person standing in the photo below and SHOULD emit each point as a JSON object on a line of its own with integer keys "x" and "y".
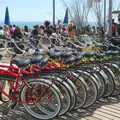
{"x": 41, "y": 30}
{"x": 118, "y": 25}
{"x": 26, "y": 30}
{"x": 6, "y": 31}
{"x": 72, "y": 29}
{"x": 35, "y": 31}
{"x": 114, "y": 25}
{"x": 17, "y": 33}
{"x": 11, "y": 30}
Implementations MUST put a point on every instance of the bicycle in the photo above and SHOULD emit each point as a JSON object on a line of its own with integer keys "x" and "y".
{"x": 19, "y": 85}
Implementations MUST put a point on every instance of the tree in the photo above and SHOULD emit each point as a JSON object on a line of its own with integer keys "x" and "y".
{"x": 79, "y": 11}
{"x": 98, "y": 7}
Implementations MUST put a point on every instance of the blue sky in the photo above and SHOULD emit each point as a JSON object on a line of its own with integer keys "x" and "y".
{"x": 31, "y": 10}
{"x": 34, "y": 10}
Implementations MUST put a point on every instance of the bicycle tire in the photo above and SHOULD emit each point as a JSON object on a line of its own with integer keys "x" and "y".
{"x": 53, "y": 89}
{"x": 110, "y": 84}
{"x": 92, "y": 91}
{"x": 81, "y": 88}
{"x": 99, "y": 80}
{"x": 73, "y": 90}
{"x": 64, "y": 89}
{"x": 116, "y": 71}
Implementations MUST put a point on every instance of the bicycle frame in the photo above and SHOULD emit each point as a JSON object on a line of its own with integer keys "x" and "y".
{"x": 16, "y": 73}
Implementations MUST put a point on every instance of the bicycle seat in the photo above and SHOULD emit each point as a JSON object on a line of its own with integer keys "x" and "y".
{"x": 87, "y": 54}
{"x": 99, "y": 55}
{"x": 112, "y": 53}
{"x": 114, "y": 48}
{"x": 70, "y": 60}
{"x": 55, "y": 55}
{"x": 66, "y": 54}
{"x": 43, "y": 62}
{"x": 22, "y": 63}
{"x": 79, "y": 56}
{"x": 36, "y": 59}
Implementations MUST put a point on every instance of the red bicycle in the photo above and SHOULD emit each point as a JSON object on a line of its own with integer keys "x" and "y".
{"x": 40, "y": 98}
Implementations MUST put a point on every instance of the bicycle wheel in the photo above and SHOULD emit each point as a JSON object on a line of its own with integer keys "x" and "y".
{"x": 116, "y": 71}
{"x": 64, "y": 89}
{"x": 109, "y": 80}
{"x": 101, "y": 84}
{"x": 81, "y": 89}
{"x": 99, "y": 80}
{"x": 92, "y": 91}
{"x": 45, "y": 95}
{"x": 72, "y": 90}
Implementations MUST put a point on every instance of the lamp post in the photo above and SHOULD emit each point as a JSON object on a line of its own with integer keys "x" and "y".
{"x": 110, "y": 17}
{"x": 104, "y": 15}
{"x": 53, "y": 12}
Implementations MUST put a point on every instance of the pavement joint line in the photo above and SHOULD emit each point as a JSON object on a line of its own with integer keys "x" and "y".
{"x": 113, "y": 107}
{"x": 103, "y": 115}
{"x": 109, "y": 113}
{"x": 111, "y": 110}
{"x": 92, "y": 118}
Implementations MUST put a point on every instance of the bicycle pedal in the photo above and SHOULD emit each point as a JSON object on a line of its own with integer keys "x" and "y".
{"x": 12, "y": 106}
{"x": 6, "y": 111}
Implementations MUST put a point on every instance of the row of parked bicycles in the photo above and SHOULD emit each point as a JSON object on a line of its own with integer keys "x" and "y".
{"x": 60, "y": 78}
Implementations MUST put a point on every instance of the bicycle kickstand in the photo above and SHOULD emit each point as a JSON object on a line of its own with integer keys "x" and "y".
{"x": 11, "y": 106}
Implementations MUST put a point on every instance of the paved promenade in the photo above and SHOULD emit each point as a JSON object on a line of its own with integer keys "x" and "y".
{"x": 105, "y": 109}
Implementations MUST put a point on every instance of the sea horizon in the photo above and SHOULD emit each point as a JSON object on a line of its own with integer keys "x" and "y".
{"x": 30, "y": 24}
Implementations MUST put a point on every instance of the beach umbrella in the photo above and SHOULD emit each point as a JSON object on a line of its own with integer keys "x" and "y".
{"x": 66, "y": 17}
{"x": 7, "y": 17}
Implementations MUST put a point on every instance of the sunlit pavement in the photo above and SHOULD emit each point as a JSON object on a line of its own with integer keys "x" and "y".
{"x": 105, "y": 109}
